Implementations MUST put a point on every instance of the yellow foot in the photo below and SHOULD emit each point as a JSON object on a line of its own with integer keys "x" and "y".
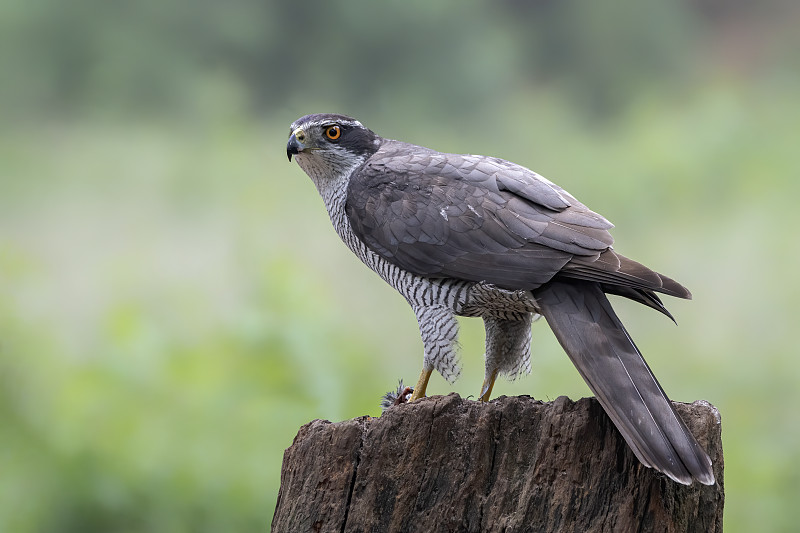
{"x": 422, "y": 384}
{"x": 488, "y": 384}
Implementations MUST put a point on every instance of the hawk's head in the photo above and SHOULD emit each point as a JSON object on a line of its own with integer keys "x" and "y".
{"x": 328, "y": 145}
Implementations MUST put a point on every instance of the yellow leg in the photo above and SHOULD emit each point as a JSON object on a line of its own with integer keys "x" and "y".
{"x": 488, "y": 384}
{"x": 422, "y": 384}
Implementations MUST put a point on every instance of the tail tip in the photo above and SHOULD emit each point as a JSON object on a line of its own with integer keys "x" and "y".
{"x": 705, "y": 478}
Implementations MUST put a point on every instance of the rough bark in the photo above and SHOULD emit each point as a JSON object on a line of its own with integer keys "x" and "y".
{"x": 446, "y": 464}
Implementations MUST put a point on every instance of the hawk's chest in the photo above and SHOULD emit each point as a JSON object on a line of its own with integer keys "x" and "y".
{"x": 335, "y": 199}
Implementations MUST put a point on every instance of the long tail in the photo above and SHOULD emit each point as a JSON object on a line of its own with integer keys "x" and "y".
{"x": 590, "y": 332}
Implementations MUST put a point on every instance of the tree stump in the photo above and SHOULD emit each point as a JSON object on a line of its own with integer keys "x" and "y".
{"x": 446, "y": 464}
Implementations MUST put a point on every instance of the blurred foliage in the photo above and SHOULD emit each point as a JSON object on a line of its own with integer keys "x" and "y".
{"x": 174, "y": 304}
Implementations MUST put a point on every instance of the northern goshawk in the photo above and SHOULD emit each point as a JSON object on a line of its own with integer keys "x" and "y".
{"x": 475, "y": 236}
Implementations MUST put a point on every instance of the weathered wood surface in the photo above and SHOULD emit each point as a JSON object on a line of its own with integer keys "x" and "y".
{"x": 446, "y": 464}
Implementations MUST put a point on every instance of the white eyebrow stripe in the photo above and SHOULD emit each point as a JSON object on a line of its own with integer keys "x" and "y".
{"x": 313, "y": 123}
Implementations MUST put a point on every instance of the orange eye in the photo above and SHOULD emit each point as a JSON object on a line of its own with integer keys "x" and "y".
{"x": 333, "y": 132}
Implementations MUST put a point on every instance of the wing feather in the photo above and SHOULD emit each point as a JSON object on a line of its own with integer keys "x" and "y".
{"x": 483, "y": 219}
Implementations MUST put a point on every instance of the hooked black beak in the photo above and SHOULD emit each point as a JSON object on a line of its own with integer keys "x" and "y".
{"x": 293, "y": 147}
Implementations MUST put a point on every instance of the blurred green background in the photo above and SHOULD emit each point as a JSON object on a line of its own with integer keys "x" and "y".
{"x": 174, "y": 304}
